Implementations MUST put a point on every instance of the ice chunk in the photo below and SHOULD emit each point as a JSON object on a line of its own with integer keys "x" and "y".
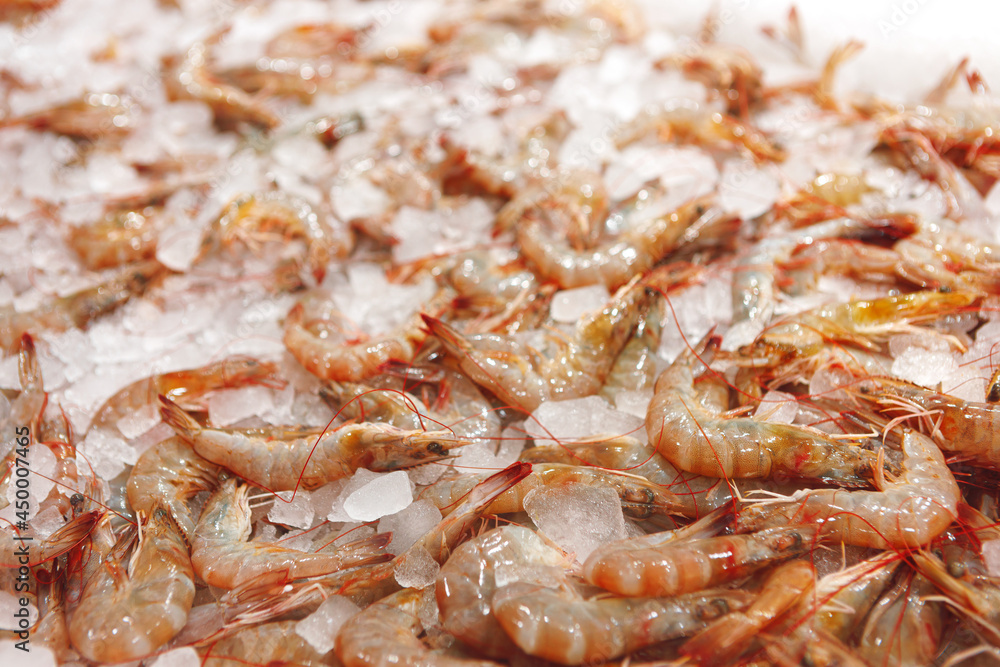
{"x": 178, "y": 247}
{"x": 46, "y": 522}
{"x": 694, "y": 311}
{"x": 107, "y": 454}
{"x": 233, "y": 405}
{"x": 320, "y": 628}
{"x": 578, "y": 518}
{"x": 570, "y": 305}
{"x": 298, "y": 512}
{"x": 138, "y": 421}
{"x": 777, "y": 407}
{"x": 826, "y": 383}
{"x": 417, "y": 569}
{"x": 409, "y": 524}
{"x": 927, "y": 368}
{"x": 634, "y": 402}
{"x": 185, "y": 656}
{"x": 557, "y": 421}
{"x": 384, "y": 495}
{"x": 747, "y": 190}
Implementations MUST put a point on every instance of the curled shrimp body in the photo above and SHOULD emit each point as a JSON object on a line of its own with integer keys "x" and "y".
{"x": 184, "y": 387}
{"x": 563, "y": 628}
{"x": 469, "y": 578}
{"x": 319, "y": 339}
{"x": 277, "y": 461}
{"x": 168, "y": 475}
{"x": 642, "y": 567}
{"x": 77, "y": 310}
{"x": 968, "y": 428}
{"x": 118, "y": 238}
{"x": 906, "y": 513}
{"x": 222, "y": 557}
{"x": 613, "y": 262}
{"x": 128, "y": 613}
{"x": 386, "y": 634}
{"x": 715, "y": 131}
{"x": 524, "y": 376}
{"x": 640, "y": 498}
{"x": 275, "y": 215}
{"x": 696, "y": 438}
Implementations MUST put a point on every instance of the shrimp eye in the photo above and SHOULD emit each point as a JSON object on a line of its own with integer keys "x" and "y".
{"x": 436, "y": 448}
{"x": 76, "y": 499}
{"x": 699, "y": 209}
{"x": 713, "y": 610}
{"x": 956, "y": 569}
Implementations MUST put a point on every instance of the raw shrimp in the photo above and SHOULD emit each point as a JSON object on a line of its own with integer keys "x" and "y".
{"x": 727, "y": 70}
{"x": 523, "y": 376}
{"x": 128, "y": 613}
{"x": 77, "y": 310}
{"x": 469, "y": 578}
{"x": 967, "y": 428}
{"x": 254, "y": 219}
{"x": 92, "y": 118}
{"x": 634, "y": 369}
{"x": 730, "y": 635}
{"x": 905, "y": 627}
{"x": 280, "y": 461}
{"x": 603, "y": 260}
{"x": 975, "y": 597}
{"x": 168, "y": 475}
{"x": 267, "y": 644}
{"x": 696, "y": 438}
{"x": 367, "y": 584}
{"x": 713, "y": 131}
{"x": 905, "y": 513}
{"x": 640, "y": 498}
{"x": 118, "y": 238}
{"x": 656, "y": 566}
{"x": 843, "y": 598}
{"x": 567, "y": 629}
{"x": 386, "y": 634}
{"x": 190, "y": 78}
{"x": 863, "y": 323}
{"x": 185, "y": 387}
{"x": 23, "y": 550}
{"x": 222, "y": 557}
{"x": 16, "y": 429}
{"x": 321, "y": 339}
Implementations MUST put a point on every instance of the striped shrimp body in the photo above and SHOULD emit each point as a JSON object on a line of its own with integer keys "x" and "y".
{"x": 185, "y": 387}
{"x": 79, "y": 309}
{"x": 968, "y": 428}
{"x": 545, "y": 241}
{"x": 469, "y": 578}
{"x": 644, "y": 568}
{"x": 903, "y": 514}
{"x": 386, "y": 633}
{"x": 698, "y": 439}
{"x": 128, "y": 613}
{"x": 732, "y": 634}
{"x": 321, "y": 340}
{"x": 278, "y": 463}
{"x": 266, "y": 644}
{"x": 222, "y": 557}
{"x": 524, "y": 376}
{"x": 640, "y": 498}
{"x": 905, "y": 626}
{"x": 559, "y": 626}
{"x": 168, "y": 475}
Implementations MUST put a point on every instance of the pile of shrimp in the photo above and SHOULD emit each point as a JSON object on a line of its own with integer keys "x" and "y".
{"x": 641, "y": 419}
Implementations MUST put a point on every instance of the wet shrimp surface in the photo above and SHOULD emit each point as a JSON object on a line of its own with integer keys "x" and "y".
{"x": 489, "y": 332}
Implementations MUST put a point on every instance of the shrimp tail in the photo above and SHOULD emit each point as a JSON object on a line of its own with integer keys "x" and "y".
{"x": 28, "y": 369}
{"x": 452, "y": 339}
{"x": 182, "y": 423}
{"x": 69, "y": 536}
{"x": 366, "y": 551}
